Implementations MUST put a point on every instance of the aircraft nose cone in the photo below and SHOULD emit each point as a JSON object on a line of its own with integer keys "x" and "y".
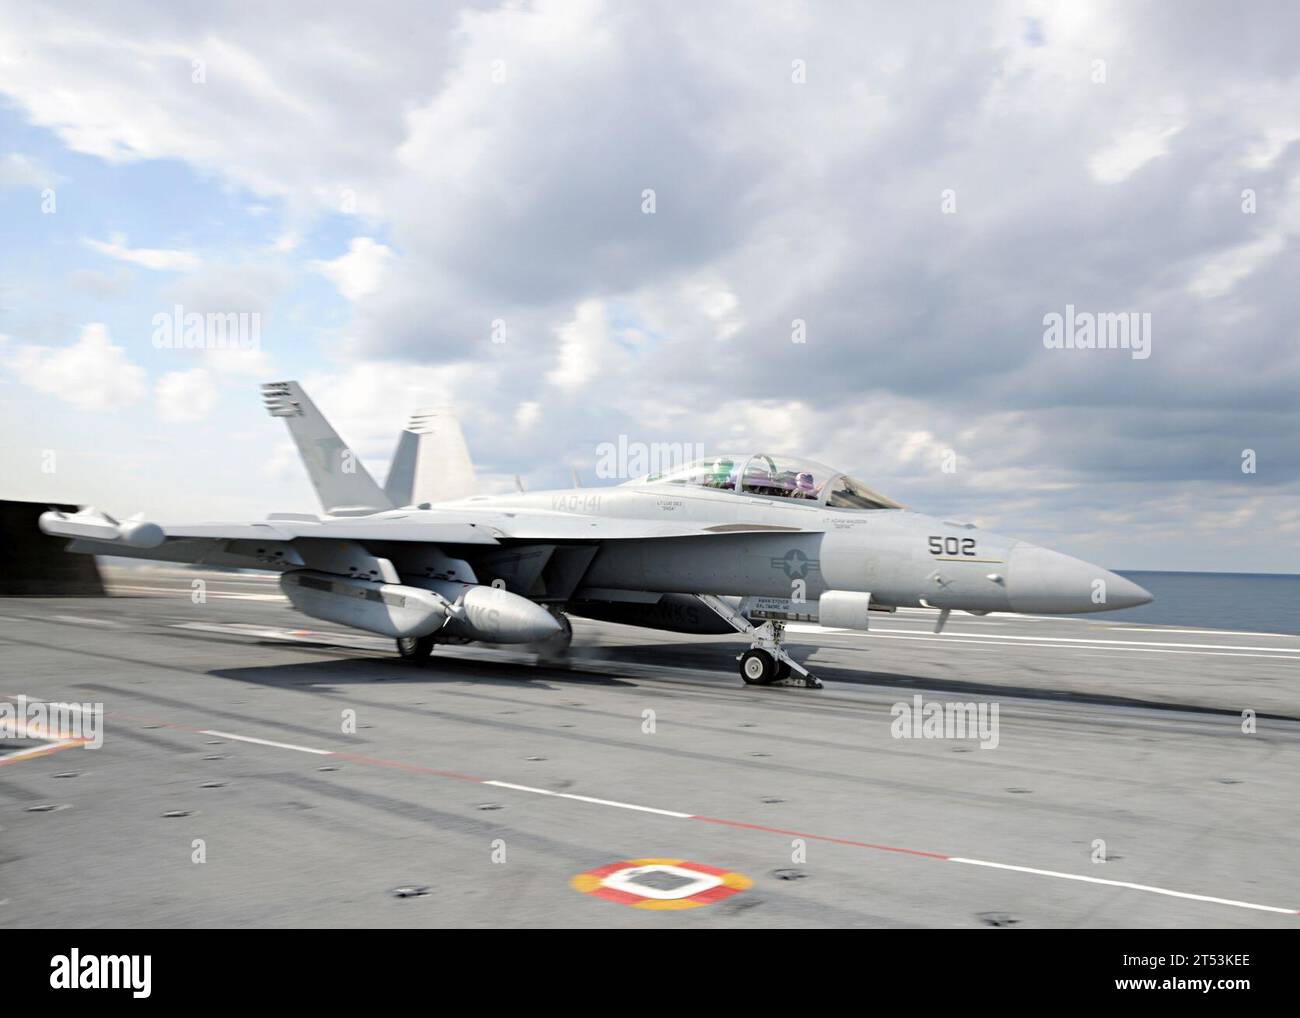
{"x": 1041, "y": 580}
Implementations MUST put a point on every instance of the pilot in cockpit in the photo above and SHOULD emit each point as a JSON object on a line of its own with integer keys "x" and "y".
{"x": 720, "y": 473}
{"x": 804, "y": 486}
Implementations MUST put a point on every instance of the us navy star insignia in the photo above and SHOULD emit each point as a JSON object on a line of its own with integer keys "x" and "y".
{"x": 795, "y": 564}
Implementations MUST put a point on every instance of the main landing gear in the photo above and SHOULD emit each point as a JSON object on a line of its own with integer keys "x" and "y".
{"x": 766, "y": 663}
{"x": 415, "y": 648}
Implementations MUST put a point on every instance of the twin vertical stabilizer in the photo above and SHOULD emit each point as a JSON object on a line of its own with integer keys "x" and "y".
{"x": 431, "y": 462}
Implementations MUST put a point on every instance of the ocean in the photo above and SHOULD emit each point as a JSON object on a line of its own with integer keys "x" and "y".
{"x": 1254, "y": 602}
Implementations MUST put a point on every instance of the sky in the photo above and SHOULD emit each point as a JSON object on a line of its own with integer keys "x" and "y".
{"x": 839, "y": 231}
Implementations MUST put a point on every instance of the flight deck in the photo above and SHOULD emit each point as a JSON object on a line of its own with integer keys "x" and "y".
{"x": 261, "y": 768}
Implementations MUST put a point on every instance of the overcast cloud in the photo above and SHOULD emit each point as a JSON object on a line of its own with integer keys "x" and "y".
{"x": 918, "y": 184}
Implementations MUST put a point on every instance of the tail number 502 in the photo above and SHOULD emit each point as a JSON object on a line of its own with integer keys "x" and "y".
{"x": 952, "y": 546}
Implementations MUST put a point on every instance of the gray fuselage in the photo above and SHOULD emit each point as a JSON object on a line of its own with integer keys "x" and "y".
{"x": 785, "y": 547}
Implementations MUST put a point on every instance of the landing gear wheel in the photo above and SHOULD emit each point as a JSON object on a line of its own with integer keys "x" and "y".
{"x": 782, "y": 670}
{"x": 414, "y": 648}
{"x": 757, "y": 667}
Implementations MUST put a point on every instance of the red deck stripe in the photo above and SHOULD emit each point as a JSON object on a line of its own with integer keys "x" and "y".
{"x": 823, "y": 837}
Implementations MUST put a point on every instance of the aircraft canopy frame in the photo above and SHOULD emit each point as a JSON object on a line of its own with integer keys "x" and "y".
{"x": 774, "y": 476}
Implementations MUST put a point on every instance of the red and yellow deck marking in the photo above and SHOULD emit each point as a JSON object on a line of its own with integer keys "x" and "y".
{"x": 703, "y": 884}
{"x": 33, "y": 730}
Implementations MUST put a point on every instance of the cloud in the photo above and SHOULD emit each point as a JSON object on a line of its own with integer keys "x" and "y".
{"x": 157, "y": 259}
{"x": 249, "y": 287}
{"x": 101, "y": 285}
{"x": 222, "y": 91}
{"x": 584, "y": 343}
{"x": 1222, "y": 272}
{"x": 1130, "y": 150}
{"x": 361, "y": 271}
{"x": 527, "y": 414}
{"x": 18, "y": 170}
{"x": 504, "y": 151}
{"x": 92, "y": 373}
{"x": 185, "y": 395}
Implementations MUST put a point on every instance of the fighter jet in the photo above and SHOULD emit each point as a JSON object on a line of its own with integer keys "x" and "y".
{"x": 731, "y": 543}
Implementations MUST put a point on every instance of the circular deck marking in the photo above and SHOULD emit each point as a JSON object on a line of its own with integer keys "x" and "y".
{"x": 661, "y": 883}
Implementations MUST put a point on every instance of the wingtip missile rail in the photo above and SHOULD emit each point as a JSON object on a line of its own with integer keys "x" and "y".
{"x": 94, "y": 525}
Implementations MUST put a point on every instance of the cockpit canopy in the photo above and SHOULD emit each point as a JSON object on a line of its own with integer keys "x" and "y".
{"x": 775, "y": 477}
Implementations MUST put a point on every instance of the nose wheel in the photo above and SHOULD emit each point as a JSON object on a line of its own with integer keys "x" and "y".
{"x": 766, "y": 663}
{"x": 759, "y": 668}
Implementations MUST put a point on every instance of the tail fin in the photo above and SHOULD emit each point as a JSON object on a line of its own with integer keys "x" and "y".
{"x": 431, "y": 463}
{"x": 400, "y": 485}
{"x": 341, "y": 481}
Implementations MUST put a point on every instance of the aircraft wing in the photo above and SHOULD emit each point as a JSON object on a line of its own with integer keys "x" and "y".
{"x": 261, "y": 544}
{"x": 350, "y": 529}
{"x": 337, "y": 544}
{"x": 427, "y": 526}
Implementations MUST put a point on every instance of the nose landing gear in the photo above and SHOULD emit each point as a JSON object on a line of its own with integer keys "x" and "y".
{"x": 766, "y": 663}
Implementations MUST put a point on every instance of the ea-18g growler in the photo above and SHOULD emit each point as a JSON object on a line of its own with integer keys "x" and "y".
{"x": 743, "y": 542}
